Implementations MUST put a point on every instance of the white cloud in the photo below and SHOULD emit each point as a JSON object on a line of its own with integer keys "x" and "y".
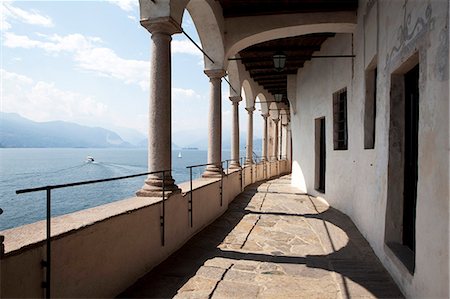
{"x": 126, "y": 5}
{"x": 13, "y": 77}
{"x": 4, "y": 24}
{"x": 32, "y": 17}
{"x": 105, "y": 62}
{"x": 182, "y": 94}
{"x": 133, "y": 18}
{"x": 87, "y": 54}
{"x": 185, "y": 47}
{"x": 43, "y": 101}
{"x": 51, "y": 43}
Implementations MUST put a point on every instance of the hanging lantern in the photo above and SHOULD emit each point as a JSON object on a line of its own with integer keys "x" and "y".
{"x": 279, "y": 61}
{"x": 278, "y": 97}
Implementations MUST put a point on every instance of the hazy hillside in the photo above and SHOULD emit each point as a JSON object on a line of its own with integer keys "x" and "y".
{"x": 17, "y": 131}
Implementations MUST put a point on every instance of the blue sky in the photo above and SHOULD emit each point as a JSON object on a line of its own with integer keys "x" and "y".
{"x": 88, "y": 62}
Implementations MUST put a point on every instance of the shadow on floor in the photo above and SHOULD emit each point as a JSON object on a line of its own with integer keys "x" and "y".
{"x": 355, "y": 262}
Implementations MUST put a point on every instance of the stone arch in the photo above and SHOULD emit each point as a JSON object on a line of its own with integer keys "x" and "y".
{"x": 284, "y": 115}
{"x": 234, "y": 77}
{"x": 249, "y": 95}
{"x": 208, "y": 21}
{"x": 264, "y": 105}
{"x": 273, "y": 111}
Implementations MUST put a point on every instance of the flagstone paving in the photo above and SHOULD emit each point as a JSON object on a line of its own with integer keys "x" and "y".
{"x": 273, "y": 242}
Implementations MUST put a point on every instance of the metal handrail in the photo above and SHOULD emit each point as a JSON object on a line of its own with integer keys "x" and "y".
{"x": 222, "y": 174}
{"x": 49, "y": 188}
{"x": 190, "y": 204}
{"x": 29, "y": 190}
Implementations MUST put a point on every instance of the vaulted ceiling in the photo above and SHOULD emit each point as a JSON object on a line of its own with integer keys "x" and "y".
{"x": 258, "y": 59}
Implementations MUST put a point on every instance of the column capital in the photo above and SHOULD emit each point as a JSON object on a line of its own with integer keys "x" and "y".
{"x": 250, "y": 109}
{"x": 164, "y": 25}
{"x": 215, "y": 74}
{"x": 235, "y": 99}
{"x": 265, "y": 115}
{"x": 276, "y": 120}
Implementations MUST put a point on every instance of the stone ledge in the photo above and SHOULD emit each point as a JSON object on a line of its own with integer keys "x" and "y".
{"x": 27, "y": 236}
{"x": 30, "y": 235}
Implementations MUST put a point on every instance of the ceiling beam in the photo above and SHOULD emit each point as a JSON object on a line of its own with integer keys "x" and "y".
{"x": 280, "y": 47}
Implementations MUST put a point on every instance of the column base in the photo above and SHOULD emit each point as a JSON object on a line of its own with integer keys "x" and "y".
{"x": 248, "y": 162}
{"x": 235, "y": 165}
{"x": 153, "y": 187}
{"x": 213, "y": 171}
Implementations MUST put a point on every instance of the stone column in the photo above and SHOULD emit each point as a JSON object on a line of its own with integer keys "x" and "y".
{"x": 281, "y": 139}
{"x": 215, "y": 124}
{"x": 235, "y": 133}
{"x": 288, "y": 142}
{"x": 249, "y": 153}
{"x": 160, "y": 130}
{"x": 275, "y": 139}
{"x": 265, "y": 137}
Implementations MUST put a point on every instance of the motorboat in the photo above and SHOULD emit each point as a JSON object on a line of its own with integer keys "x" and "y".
{"x": 89, "y": 159}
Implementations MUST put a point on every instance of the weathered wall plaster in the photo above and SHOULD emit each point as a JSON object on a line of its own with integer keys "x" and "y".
{"x": 357, "y": 179}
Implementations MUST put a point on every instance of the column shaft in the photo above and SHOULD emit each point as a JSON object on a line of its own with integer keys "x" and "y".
{"x": 288, "y": 143}
{"x": 281, "y": 140}
{"x": 215, "y": 124}
{"x": 265, "y": 137}
{"x": 275, "y": 139}
{"x": 235, "y": 133}
{"x": 249, "y": 153}
{"x": 160, "y": 131}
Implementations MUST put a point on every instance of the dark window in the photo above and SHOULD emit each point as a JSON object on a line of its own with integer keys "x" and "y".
{"x": 320, "y": 154}
{"x": 370, "y": 109}
{"x": 411, "y": 155}
{"x": 340, "y": 137}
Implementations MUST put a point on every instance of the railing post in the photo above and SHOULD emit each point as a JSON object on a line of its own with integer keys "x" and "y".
{"x": 162, "y": 217}
{"x": 240, "y": 175}
{"x": 265, "y": 170}
{"x": 190, "y": 199}
{"x": 243, "y": 176}
{"x": 2, "y": 239}
{"x": 221, "y": 184}
{"x": 2, "y": 246}
{"x": 47, "y": 263}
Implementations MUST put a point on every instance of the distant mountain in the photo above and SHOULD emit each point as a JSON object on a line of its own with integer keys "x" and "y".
{"x": 132, "y": 136}
{"x": 17, "y": 131}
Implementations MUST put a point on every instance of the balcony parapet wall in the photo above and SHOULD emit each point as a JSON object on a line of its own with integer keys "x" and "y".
{"x": 99, "y": 252}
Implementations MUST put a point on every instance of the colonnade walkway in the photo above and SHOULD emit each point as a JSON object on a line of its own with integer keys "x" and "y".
{"x": 272, "y": 242}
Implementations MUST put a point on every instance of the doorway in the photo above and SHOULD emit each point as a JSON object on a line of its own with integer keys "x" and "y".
{"x": 320, "y": 154}
{"x": 400, "y": 228}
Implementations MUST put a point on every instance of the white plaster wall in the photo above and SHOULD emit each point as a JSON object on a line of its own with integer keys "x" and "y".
{"x": 316, "y": 83}
{"x": 356, "y": 179}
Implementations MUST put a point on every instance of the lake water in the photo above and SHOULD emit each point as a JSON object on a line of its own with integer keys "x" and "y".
{"x": 27, "y": 168}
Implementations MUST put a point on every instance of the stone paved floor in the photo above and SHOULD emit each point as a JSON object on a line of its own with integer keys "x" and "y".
{"x": 272, "y": 243}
